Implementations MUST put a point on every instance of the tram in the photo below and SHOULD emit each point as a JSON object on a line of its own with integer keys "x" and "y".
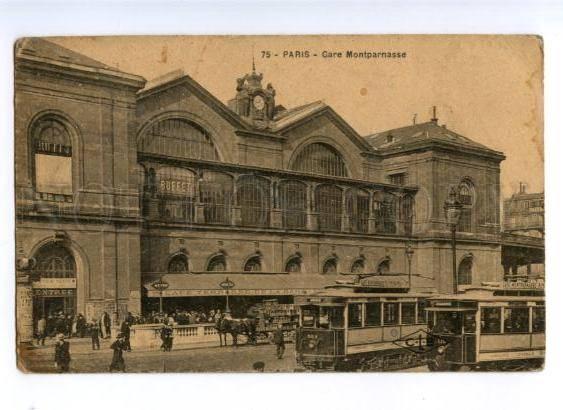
{"x": 360, "y": 326}
{"x": 494, "y": 327}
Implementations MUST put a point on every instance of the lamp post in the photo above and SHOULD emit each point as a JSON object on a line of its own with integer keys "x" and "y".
{"x": 452, "y": 211}
{"x": 409, "y": 251}
{"x": 161, "y": 286}
{"x": 226, "y": 285}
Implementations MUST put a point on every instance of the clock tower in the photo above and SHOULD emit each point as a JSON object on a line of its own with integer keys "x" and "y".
{"x": 254, "y": 103}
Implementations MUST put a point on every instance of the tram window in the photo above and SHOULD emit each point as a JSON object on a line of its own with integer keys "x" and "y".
{"x": 390, "y": 313}
{"x": 448, "y": 322}
{"x": 354, "y": 315}
{"x": 469, "y": 325}
{"x": 308, "y": 315}
{"x": 490, "y": 320}
{"x": 373, "y": 314}
{"x": 336, "y": 317}
{"x": 421, "y": 314}
{"x": 538, "y": 319}
{"x": 516, "y": 320}
{"x": 407, "y": 313}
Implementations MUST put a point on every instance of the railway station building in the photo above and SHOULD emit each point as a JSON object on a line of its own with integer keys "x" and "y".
{"x": 122, "y": 182}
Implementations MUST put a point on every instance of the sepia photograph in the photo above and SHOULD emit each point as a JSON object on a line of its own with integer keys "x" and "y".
{"x": 248, "y": 204}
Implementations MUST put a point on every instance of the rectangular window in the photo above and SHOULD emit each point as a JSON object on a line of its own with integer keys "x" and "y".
{"x": 516, "y": 320}
{"x": 53, "y": 174}
{"x": 407, "y": 313}
{"x": 538, "y": 319}
{"x": 390, "y": 313}
{"x": 373, "y": 314}
{"x": 355, "y": 315}
{"x": 398, "y": 179}
{"x": 469, "y": 324}
{"x": 336, "y": 315}
{"x": 490, "y": 320}
{"x": 421, "y": 314}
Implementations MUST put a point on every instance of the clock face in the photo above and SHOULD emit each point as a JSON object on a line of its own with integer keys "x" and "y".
{"x": 258, "y": 102}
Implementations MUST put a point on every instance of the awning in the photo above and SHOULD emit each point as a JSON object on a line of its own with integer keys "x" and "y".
{"x": 245, "y": 284}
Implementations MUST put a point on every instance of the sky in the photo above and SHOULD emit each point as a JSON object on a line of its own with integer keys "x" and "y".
{"x": 487, "y": 88}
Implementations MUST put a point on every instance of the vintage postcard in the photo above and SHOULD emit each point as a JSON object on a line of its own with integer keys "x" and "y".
{"x": 279, "y": 203}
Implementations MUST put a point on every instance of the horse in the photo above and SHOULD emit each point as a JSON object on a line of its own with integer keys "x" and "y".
{"x": 234, "y": 327}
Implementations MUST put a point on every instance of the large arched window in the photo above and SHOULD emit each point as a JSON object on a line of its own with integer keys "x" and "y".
{"x": 293, "y": 265}
{"x": 328, "y": 202}
{"x": 466, "y": 198}
{"x": 293, "y": 201}
{"x": 178, "y": 264}
{"x": 330, "y": 266}
{"x": 320, "y": 158}
{"x": 55, "y": 261}
{"x": 253, "y": 196}
{"x": 178, "y": 137}
{"x": 218, "y": 263}
{"x": 464, "y": 276}
{"x": 357, "y": 207}
{"x": 51, "y": 146}
{"x": 216, "y": 193}
{"x": 176, "y": 193}
{"x": 253, "y": 264}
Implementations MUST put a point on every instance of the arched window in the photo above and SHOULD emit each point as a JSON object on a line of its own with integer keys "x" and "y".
{"x": 293, "y": 265}
{"x": 216, "y": 193}
{"x": 384, "y": 267}
{"x": 330, "y": 266}
{"x": 253, "y": 196}
{"x": 320, "y": 158}
{"x": 176, "y": 193}
{"x": 464, "y": 276}
{"x": 293, "y": 198}
{"x": 178, "y": 264}
{"x": 51, "y": 146}
{"x": 177, "y": 137}
{"x": 55, "y": 261}
{"x": 328, "y": 201}
{"x": 218, "y": 263}
{"x": 466, "y": 198}
{"x": 358, "y": 266}
{"x": 253, "y": 264}
{"x": 357, "y": 207}
{"x": 407, "y": 207}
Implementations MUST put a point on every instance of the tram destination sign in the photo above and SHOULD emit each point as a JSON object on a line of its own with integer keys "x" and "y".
{"x": 383, "y": 283}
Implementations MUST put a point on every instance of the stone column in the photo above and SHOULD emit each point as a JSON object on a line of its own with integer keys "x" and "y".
{"x": 372, "y": 221}
{"x": 199, "y": 213}
{"x": 312, "y": 215}
{"x": 345, "y": 218}
{"x": 24, "y": 308}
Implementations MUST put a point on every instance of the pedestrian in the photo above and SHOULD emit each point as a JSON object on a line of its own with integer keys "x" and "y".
{"x": 62, "y": 354}
{"x": 126, "y": 332}
{"x": 95, "y": 334}
{"x": 41, "y": 331}
{"x": 105, "y": 325}
{"x": 167, "y": 337}
{"x": 117, "y": 361}
{"x": 80, "y": 325}
{"x": 279, "y": 341}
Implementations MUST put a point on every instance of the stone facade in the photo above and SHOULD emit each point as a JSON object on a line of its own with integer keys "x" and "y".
{"x": 167, "y": 170}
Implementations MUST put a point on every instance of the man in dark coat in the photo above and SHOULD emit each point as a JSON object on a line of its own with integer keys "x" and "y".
{"x": 279, "y": 341}
{"x": 167, "y": 337}
{"x": 62, "y": 354}
{"x": 126, "y": 333}
{"x": 117, "y": 361}
{"x": 95, "y": 334}
{"x": 105, "y": 325}
{"x": 80, "y": 325}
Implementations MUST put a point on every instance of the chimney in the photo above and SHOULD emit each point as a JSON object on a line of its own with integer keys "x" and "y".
{"x": 434, "y": 119}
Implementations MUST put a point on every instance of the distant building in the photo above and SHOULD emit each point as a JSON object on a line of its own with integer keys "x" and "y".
{"x": 524, "y": 213}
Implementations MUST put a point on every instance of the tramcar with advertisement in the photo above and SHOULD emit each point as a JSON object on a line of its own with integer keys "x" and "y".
{"x": 494, "y": 327}
{"x": 367, "y": 325}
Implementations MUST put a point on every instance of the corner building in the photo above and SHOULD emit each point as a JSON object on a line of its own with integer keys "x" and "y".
{"x": 120, "y": 183}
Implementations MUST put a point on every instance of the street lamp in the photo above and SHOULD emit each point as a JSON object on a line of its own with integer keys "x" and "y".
{"x": 409, "y": 251}
{"x": 452, "y": 211}
{"x": 226, "y": 285}
{"x": 161, "y": 286}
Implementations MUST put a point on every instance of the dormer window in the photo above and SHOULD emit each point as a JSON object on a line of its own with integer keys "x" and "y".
{"x": 398, "y": 178}
{"x": 389, "y": 138}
